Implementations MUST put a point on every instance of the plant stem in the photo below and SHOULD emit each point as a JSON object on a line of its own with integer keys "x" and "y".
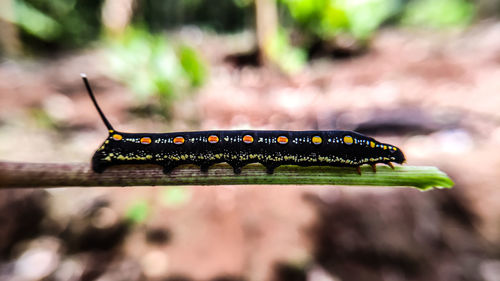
{"x": 13, "y": 174}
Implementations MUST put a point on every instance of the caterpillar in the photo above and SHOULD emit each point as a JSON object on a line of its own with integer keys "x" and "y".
{"x": 239, "y": 148}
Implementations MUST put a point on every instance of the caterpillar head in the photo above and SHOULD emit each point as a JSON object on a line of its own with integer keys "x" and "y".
{"x": 393, "y": 153}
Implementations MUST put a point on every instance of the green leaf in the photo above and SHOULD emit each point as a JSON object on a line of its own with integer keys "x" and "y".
{"x": 151, "y": 65}
{"x": 328, "y": 18}
{"x": 35, "y": 22}
{"x": 192, "y": 65}
{"x": 175, "y": 196}
{"x": 138, "y": 212}
{"x": 289, "y": 58}
{"x": 438, "y": 13}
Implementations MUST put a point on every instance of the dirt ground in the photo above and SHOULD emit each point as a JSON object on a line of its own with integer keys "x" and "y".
{"x": 435, "y": 95}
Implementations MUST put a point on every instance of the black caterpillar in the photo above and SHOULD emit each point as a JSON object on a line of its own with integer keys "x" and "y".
{"x": 239, "y": 148}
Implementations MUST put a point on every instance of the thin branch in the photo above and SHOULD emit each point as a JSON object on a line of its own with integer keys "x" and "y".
{"x": 13, "y": 174}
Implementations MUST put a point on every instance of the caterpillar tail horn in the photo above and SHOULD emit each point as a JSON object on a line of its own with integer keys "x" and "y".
{"x": 92, "y": 97}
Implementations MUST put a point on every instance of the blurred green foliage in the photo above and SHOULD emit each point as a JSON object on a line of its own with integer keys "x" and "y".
{"x": 151, "y": 65}
{"x": 35, "y": 22}
{"x": 42, "y": 119}
{"x": 289, "y": 58}
{"x": 138, "y": 211}
{"x": 46, "y": 25}
{"x": 192, "y": 65}
{"x": 439, "y": 13}
{"x": 329, "y": 18}
{"x": 175, "y": 196}
{"x": 220, "y": 15}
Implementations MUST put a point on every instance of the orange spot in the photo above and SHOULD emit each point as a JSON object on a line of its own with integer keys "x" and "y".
{"x": 247, "y": 139}
{"x": 282, "y": 140}
{"x": 145, "y": 140}
{"x": 317, "y": 140}
{"x": 117, "y": 137}
{"x": 348, "y": 140}
{"x": 213, "y": 139}
{"x": 178, "y": 140}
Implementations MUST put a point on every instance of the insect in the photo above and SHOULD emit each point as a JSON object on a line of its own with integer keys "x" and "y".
{"x": 239, "y": 148}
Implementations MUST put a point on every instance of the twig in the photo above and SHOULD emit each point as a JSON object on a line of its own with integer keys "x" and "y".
{"x": 63, "y": 175}
{"x": 13, "y": 174}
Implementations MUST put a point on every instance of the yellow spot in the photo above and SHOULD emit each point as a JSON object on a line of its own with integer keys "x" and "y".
{"x": 372, "y": 144}
{"x": 385, "y": 146}
{"x": 178, "y": 140}
{"x": 247, "y": 139}
{"x": 282, "y": 140}
{"x": 317, "y": 140}
{"x": 213, "y": 139}
{"x": 393, "y": 148}
{"x": 149, "y": 156}
{"x": 111, "y": 131}
{"x": 146, "y": 140}
{"x": 348, "y": 140}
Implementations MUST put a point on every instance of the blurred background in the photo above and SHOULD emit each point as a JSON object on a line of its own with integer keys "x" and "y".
{"x": 420, "y": 74}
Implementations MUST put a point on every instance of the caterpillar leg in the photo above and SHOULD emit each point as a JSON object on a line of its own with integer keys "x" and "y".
{"x": 390, "y": 165}
{"x": 168, "y": 167}
{"x": 204, "y": 168}
{"x": 374, "y": 167}
{"x": 99, "y": 167}
{"x": 270, "y": 168}
{"x": 205, "y": 165}
{"x": 236, "y": 167}
{"x": 358, "y": 169}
